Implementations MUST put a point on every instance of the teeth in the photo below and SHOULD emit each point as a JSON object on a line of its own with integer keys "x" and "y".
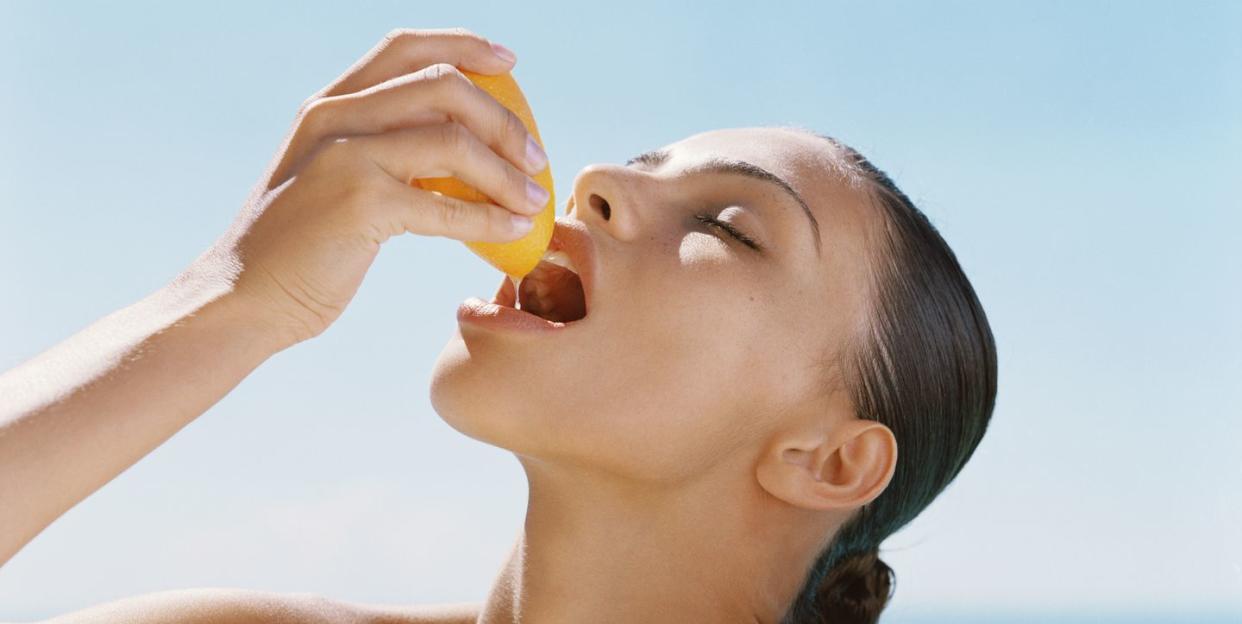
{"x": 560, "y": 259}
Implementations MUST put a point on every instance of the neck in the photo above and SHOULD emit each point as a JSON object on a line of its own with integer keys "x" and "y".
{"x": 595, "y": 548}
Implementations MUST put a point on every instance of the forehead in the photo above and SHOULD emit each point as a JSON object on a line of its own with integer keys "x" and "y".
{"x": 783, "y": 152}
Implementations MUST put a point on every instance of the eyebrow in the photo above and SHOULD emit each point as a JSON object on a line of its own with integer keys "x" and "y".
{"x": 655, "y": 158}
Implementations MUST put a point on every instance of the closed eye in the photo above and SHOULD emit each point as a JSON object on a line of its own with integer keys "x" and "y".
{"x": 728, "y": 227}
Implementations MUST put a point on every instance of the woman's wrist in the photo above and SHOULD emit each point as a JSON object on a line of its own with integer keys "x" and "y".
{"x": 209, "y": 297}
{"x": 241, "y": 321}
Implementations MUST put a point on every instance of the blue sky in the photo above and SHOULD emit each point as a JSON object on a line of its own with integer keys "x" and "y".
{"x": 1081, "y": 158}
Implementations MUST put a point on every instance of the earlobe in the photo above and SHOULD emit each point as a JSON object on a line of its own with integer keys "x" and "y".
{"x": 842, "y": 469}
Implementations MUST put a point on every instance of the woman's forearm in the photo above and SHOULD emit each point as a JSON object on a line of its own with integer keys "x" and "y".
{"x": 77, "y": 415}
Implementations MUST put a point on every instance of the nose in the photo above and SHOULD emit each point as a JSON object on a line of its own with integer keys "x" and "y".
{"x": 603, "y": 196}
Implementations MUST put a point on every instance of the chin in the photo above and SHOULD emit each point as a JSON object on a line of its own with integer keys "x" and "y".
{"x": 511, "y": 395}
{"x": 479, "y": 394}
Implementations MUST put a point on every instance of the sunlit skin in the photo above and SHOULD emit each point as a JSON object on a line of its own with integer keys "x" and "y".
{"x": 688, "y": 445}
{"x": 687, "y": 448}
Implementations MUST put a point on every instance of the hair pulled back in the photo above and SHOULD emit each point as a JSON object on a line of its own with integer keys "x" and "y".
{"x": 923, "y": 363}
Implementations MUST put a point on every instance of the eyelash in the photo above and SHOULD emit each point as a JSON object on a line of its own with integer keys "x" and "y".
{"x": 728, "y": 228}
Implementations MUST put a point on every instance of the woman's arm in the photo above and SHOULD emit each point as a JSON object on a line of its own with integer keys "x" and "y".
{"x": 76, "y": 416}
{"x": 79, "y": 414}
{"x": 213, "y": 605}
{"x": 240, "y": 606}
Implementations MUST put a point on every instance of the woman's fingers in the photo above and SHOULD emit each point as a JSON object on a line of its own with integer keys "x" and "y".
{"x": 434, "y": 151}
{"x": 430, "y": 214}
{"x": 435, "y": 94}
{"x": 407, "y": 50}
{"x": 403, "y": 51}
{"x": 452, "y": 149}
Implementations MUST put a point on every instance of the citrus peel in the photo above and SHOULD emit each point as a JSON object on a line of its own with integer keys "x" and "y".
{"x": 518, "y": 257}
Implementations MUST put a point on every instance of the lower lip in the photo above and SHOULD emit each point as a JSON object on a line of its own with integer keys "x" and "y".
{"x": 475, "y": 311}
{"x": 500, "y": 314}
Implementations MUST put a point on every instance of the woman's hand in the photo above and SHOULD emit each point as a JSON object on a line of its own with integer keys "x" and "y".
{"x": 340, "y": 185}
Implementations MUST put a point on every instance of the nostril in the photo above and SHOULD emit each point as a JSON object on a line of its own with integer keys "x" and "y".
{"x": 601, "y": 204}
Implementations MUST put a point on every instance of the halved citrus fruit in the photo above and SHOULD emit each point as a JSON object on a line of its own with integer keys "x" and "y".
{"x": 518, "y": 257}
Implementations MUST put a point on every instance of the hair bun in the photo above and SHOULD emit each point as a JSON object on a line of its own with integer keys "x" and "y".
{"x": 856, "y": 589}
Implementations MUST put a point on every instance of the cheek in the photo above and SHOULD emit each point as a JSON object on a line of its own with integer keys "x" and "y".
{"x": 673, "y": 389}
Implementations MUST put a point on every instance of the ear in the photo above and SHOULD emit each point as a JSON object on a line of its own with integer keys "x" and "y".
{"x": 844, "y": 467}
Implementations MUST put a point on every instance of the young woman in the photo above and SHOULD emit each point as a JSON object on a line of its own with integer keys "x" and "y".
{"x": 781, "y": 362}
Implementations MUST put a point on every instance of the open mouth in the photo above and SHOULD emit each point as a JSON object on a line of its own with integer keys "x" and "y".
{"x": 552, "y": 291}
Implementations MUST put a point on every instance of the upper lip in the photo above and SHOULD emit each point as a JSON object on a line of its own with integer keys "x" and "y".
{"x": 571, "y": 237}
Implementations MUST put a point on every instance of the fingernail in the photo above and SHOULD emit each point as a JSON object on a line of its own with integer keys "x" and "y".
{"x": 535, "y": 156}
{"x": 521, "y": 224}
{"x": 535, "y": 194}
{"x": 504, "y": 53}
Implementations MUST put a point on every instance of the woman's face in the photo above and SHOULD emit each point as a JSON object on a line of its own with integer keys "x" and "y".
{"x": 695, "y": 347}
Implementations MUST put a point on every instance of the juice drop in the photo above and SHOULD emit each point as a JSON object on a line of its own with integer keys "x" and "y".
{"x": 516, "y": 281}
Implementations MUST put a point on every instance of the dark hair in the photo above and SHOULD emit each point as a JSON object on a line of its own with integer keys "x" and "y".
{"x": 923, "y": 363}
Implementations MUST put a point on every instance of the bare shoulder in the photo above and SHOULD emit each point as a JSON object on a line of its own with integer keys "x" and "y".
{"x": 217, "y": 605}
{"x": 440, "y": 613}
